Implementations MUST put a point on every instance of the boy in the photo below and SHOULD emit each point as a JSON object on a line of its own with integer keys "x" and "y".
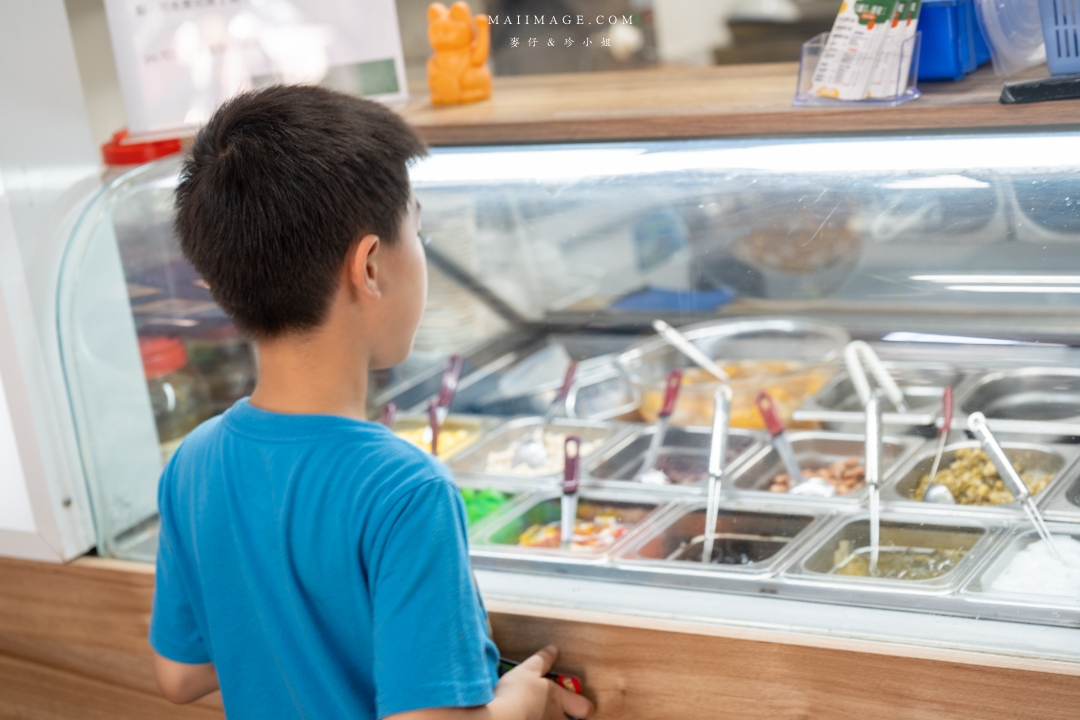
{"x": 311, "y": 564}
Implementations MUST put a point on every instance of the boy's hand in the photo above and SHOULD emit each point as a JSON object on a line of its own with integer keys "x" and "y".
{"x": 543, "y": 699}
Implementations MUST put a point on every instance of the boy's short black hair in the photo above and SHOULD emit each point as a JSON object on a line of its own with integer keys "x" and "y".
{"x": 278, "y": 186}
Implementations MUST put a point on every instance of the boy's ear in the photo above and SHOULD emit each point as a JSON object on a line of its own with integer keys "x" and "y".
{"x": 363, "y": 268}
{"x": 436, "y": 11}
{"x": 460, "y": 11}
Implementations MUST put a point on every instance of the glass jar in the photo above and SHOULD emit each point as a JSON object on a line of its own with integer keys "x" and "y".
{"x": 178, "y": 393}
{"x": 228, "y": 363}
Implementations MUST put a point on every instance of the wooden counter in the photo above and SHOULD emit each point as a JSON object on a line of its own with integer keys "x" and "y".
{"x": 707, "y": 102}
{"x": 73, "y": 645}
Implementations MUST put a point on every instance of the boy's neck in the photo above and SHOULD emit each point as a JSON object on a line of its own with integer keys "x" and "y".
{"x": 316, "y": 373}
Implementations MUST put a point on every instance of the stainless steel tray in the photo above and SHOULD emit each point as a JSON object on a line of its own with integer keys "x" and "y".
{"x": 815, "y": 449}
{"x": 685, "y": 453}
{"x": 837, "y": 405}
{"x": 497, "y": 545}
{"x": 753, "y": 542}
{"x": 1033, "y": 400}
{"x": 507, "y": 385}
{"x": 480, "y": 425}
{"x": 1064, "y": 503}
{"x": 519, "y": 492}
{"x": 1019, "y": 606}
{"x": 474, "y": 460}
{"x": 812, "y": 572}
{"x": 1040, "y": 457}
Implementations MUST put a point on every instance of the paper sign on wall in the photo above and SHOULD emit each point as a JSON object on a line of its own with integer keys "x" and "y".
{"x": 178, "y": 60}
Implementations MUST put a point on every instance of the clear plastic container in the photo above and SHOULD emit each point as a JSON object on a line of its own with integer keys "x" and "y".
{"x": 179, "y": 394}
{"x": 1014, "y": 32}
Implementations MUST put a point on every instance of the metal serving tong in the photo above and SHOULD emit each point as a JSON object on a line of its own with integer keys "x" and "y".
{"x": 678, "y": 341}
{"x": 441, "y": 402}
{"x": 976, "y": 423}
{"x": 532, "y": 450}
{"x": 569, "y": 491}
{"x": 717, "y": 463}
{"x": 855, "y": 355}
{"x": 936, "y": 493}
{"x": 649, "y": 473}
{"x": 873, "y": 475}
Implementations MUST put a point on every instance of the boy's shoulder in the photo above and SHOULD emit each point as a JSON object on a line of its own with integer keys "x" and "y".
{"x": 350, "y": 449}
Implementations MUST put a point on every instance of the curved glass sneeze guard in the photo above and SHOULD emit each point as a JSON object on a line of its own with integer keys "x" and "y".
{"x": 946, "y": 225}
{"x": 922, "y": 234}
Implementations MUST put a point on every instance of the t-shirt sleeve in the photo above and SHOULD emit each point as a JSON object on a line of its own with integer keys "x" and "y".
{"x": 174, "y": 631}
{"x": 431, "y": 644}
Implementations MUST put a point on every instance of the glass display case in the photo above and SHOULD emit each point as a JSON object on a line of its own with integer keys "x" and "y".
{"x": 954, "y": 256}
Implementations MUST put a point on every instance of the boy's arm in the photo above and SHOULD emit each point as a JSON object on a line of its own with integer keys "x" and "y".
{"x": 521, "y": 694}
{"x": 183, "y": 683}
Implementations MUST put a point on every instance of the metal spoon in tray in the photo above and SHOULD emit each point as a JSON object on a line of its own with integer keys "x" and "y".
{"x": 935, "y": 492}
{"x": 649, "y": 473}
{"x": 532, "y": 450}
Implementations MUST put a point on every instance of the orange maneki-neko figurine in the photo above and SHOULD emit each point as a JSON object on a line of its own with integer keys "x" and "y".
{"x": 458, "y": 72}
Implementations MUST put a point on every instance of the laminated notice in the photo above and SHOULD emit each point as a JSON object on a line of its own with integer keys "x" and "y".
{"x": 845, "y": 67}
{"x": 908, "y": 47}
{"x": 890, "y": 75}
{"x": 883, "y": 80}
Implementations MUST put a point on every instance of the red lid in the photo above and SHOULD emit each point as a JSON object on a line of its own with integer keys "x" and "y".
{"x": 136, "y": 153}
{"x": 161, "y": 355}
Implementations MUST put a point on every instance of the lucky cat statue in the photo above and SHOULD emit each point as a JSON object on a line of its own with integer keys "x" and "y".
{"x": 457, "y": 72}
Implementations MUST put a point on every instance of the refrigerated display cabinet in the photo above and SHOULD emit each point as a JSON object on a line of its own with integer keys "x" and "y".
{"x": 954, "y": 256}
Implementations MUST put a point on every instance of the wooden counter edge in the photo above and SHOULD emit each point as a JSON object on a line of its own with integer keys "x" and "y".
{"x": 711, "y": 629}
{"x": 73, "y": 644}
{"x": 856, "y": 645}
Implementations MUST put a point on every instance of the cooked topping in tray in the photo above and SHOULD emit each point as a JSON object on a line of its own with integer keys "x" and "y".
{"x": 600, "y": 532}
{"x": 1035, "y": 571}
{"x": 729, "y": 549}
{"x": 847, "y": 476}
{"x": 501, "y": 462}
{"x": 481, "y": 502}
{"x": 450, "y": 439}
{"x": 973, "y": 480}
{"x": 896, "y": 563}
{"x": 789, "y": 382}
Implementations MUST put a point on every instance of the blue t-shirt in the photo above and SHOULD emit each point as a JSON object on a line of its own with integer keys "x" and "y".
{"x": 322, "y": 565}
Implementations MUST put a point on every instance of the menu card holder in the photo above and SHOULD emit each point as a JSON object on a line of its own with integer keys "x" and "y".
{"x": 808, "y": 62}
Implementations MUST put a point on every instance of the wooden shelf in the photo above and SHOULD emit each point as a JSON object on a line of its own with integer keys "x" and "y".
{"x": 707, "y": 102}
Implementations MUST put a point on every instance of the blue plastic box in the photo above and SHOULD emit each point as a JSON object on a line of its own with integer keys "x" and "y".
{"x": 952, "y": 44}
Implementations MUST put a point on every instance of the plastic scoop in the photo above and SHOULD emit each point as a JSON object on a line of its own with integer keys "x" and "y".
{"x": 855, "y": 354}
{"x": 389, "y": 412}
{"x": 678, "y": 341}
{"x": 799, "y": 486}
{"x": 434, "y": 425}
{"x": 873, "y": 475}
{"x": 717, "y": 461}
{"x": 569, "y": 491}
{"x": 936, "y": 493}
{"x": 532, "y": 450}
{"x": 649, "y": 473}
{"x": 976, "y": 423}
{"x": 450, "y": 377}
